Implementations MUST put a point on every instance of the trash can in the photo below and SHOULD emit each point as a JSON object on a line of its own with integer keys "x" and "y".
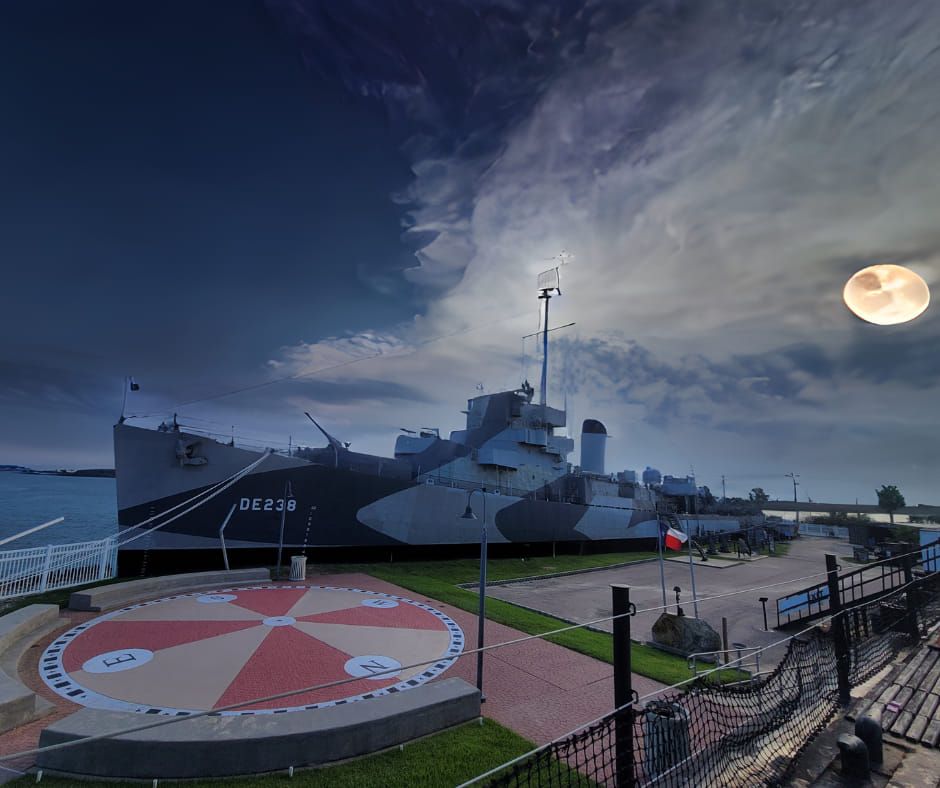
{"x": 666, "y": 738}
{"x": 298, "y": 567}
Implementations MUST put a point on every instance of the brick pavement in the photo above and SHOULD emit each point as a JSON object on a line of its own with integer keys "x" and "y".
{"x": 27, "y": 736}
{"x": 537, "y": 689}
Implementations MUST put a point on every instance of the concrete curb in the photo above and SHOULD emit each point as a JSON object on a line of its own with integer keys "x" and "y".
{"x": 222, "y": 746}
{"x": 118, "y": 594}
{"x": 18, "y": 703}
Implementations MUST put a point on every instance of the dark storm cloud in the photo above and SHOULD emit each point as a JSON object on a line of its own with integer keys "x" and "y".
{"x": 452, "y": 77}
{"x": 908, "y": 354}
{"x": 186, "y": 202}
{"x": 56, "y": 388}
{"x": 719, "y": 170}
{"x": 179, "y": 196}
{"x": 694, "y": 386}
{"x": 353, "y": 392}
{"x": 445, "y": 71}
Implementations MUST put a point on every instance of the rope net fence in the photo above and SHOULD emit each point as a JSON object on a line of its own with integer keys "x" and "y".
{"x": 744, "y": 734}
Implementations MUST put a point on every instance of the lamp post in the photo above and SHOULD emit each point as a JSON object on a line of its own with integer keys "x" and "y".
{"x": 794, "y": 477}
{"x": 469, "y": 515}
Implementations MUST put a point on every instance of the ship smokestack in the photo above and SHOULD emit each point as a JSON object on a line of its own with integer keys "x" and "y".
{"x": 593, "y": 446}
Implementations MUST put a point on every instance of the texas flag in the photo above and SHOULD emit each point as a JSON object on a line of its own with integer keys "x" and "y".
{"x": 672, "y": 538}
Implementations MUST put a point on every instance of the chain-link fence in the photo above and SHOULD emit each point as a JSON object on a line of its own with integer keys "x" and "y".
{"x": 741, "y": 735}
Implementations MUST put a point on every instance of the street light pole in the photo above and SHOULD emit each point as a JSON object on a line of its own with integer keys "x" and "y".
{"x": 481, "y": 616}
{"x": 794, "y": 477}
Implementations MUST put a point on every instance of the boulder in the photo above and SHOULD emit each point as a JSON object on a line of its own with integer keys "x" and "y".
{"x": 685, "y": 635}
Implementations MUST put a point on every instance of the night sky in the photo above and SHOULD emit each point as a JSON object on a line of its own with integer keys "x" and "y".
{"x": 213, "y": 196}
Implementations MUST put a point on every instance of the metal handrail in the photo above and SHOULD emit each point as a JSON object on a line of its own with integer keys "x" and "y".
{"x": 222, "y": 535}
{"x": 859, "y": 585}
{"x": 38, "y": 569}
{"x": 722, "y": 655}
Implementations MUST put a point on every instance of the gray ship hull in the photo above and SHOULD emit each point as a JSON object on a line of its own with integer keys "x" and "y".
{"x": 371, "y": 503}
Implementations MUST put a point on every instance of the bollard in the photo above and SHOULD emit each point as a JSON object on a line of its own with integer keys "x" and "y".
{"x": 910, "y": 596}
{"x": 868, "y": 729}
{"x": 854, "y": 755}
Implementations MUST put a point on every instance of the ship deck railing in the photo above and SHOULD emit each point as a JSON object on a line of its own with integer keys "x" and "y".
{"x": 284, "y": 448}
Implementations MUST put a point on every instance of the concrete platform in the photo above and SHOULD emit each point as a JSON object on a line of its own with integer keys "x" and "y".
{"x": 199, "y": 664}
{"x": 216, "y": 746}
{"x": 117, "y": 594}
{"x": 715, "y": 562}
{"x": 18, "y": 630}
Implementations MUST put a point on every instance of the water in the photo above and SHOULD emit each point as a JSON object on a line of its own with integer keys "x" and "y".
{"x": 88, "y": 505}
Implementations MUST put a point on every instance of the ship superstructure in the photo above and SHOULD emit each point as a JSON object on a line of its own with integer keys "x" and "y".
{"x": 511, "y": 450}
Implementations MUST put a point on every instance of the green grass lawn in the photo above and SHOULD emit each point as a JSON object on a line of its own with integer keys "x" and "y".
{"x": 439, "y": 579}
{"x": 782, "y": 549}
{"x": 444, "y": 759}
{"x": 467, "y": 570}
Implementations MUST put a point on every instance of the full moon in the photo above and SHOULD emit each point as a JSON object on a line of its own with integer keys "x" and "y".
{"x": 886, "y": 294}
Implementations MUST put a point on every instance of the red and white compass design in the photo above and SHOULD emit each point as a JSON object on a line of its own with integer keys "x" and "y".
{"x": 204, "y": 651}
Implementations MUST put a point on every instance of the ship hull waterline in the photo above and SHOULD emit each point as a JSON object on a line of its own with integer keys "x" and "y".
{"x": 337, "y": 512}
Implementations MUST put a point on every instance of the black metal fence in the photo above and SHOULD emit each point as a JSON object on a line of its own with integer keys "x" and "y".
{"x": 859, "y": 585}
{"x": 741, "y": 735}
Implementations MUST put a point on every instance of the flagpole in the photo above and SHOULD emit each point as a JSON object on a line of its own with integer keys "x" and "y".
{"x": 124, "y": 401}
{"x": 691, "y": 562}
{"x": 662, "y": 570}
{"x": 692, "y": 572}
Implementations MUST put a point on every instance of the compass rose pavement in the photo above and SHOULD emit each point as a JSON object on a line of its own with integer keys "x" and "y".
{"x": 199, "y": 652}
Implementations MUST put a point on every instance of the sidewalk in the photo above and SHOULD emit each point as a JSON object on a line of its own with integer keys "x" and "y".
{"x": 537, "y": 689}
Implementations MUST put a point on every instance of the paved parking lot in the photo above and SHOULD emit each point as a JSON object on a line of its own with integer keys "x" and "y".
{"x": 587, "y": 596}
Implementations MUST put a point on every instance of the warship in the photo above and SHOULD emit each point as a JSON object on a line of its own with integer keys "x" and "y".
{"x": 187, "y": 499}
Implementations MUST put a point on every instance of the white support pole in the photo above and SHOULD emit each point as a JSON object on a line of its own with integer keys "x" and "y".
{"x": 103, "y": 560}
{"x": 222, "y": 533}
{"x": 32, "y": 530}
{"x": 662, "y": 570}
{"x": 44, "y": 583}
{"x": 691, "y": 561}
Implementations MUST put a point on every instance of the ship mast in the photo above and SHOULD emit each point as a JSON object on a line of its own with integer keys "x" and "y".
{"x": 549, "y": 284}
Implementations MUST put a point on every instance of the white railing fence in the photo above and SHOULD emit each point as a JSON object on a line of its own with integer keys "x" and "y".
{"x": 815, "y": 529}
{"x": 38, "y": 569}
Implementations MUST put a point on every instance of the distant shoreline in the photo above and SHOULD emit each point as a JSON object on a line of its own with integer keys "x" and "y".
{"x": 93, "y": 473}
